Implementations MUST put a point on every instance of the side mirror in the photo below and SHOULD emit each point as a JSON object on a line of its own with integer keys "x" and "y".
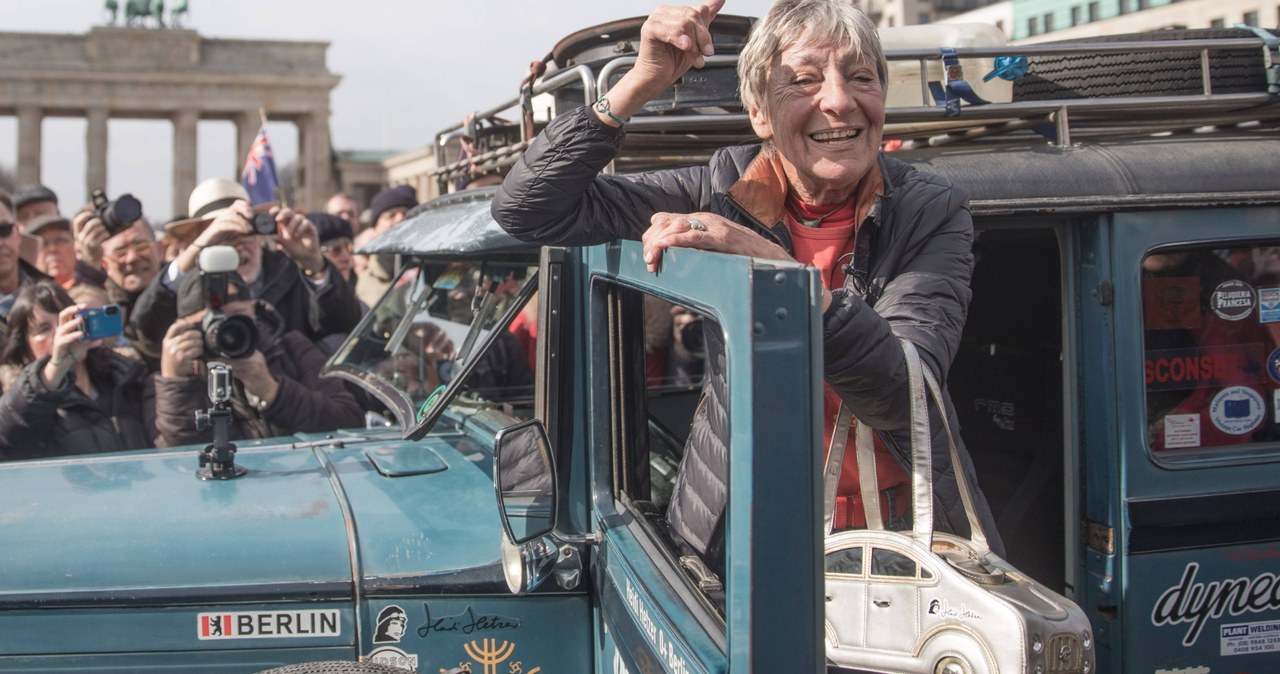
{"x": 525, "y": 479}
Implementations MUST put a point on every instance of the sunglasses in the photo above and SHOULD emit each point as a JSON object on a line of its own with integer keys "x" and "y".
{"x": 6, "y": 228}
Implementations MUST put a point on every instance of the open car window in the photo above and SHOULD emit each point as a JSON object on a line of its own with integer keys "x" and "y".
{"x": 442, "y": 332}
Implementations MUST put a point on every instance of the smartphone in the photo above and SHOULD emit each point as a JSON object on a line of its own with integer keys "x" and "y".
{"x": 102, "y": 322}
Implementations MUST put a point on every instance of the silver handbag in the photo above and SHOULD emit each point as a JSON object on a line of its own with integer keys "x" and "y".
{"x": 930, "y": 602}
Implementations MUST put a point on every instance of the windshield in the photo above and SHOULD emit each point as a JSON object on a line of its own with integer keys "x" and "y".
{"x": 443, "y": 327}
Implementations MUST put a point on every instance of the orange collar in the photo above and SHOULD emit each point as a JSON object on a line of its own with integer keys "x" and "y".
{"x": 762, "y": 189}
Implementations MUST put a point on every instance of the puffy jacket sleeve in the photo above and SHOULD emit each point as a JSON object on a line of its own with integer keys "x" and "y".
{"x": 926, "y": 302}
{"x": 310, "y": 403}
{"x": 28, "y": 411}
{"x": 555, "y": 194}
{"x": 170, "y": 405}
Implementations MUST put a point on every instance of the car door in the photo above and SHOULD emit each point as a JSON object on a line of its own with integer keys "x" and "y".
{"x": 667, "y": 605}
{"x": 893, "y": 600}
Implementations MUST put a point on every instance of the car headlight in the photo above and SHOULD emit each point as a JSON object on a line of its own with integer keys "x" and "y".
{"x": 1086, "y": 640}
{"x": 1037, "y": 644}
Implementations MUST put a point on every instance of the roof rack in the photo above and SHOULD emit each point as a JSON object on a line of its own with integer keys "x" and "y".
{"x": 1071, "y": 92}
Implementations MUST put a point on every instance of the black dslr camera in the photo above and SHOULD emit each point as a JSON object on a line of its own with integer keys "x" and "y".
{"x": 228, "y": 337}
{"x": 117, "y": 215}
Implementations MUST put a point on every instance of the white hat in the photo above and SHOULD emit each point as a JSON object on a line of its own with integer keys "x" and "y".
{"x": 207, "y": 199}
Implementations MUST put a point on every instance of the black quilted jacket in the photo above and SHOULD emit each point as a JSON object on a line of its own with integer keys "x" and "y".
{"x": 36, "y": 421}
{"x": 911, "y": 268}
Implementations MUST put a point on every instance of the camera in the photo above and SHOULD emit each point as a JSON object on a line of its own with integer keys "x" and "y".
{"x": 225, "y": 336}
{"x": 101, "y": 322}
{"x": 219, "y": 382}
{"x": 263, "y": 223}
{"x": 117, "y": 215}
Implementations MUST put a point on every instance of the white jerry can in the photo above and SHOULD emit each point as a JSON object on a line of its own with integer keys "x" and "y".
{"x": 906, "y": 89}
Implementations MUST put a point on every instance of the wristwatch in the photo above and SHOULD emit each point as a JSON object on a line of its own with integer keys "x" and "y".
{"x": 602, "y": 107}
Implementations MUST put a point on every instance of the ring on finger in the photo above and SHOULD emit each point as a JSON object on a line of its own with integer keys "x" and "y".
{"x": 696, "y": 225}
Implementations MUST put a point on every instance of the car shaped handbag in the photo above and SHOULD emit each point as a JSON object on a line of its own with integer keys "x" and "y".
{"x": 936, "y": 603}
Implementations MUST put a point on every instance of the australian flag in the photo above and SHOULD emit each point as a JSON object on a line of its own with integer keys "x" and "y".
{"x": 259, "y": 176}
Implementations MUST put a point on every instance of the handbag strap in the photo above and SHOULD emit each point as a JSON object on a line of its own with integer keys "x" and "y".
{"x": 922, "y": 385}
{"x": 976, "y": 535}
{"x": 832, "y": 468}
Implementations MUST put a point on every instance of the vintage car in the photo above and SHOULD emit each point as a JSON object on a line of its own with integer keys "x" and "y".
{"x": 1128, "y": 464}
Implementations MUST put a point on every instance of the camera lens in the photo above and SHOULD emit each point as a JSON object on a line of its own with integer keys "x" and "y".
{"x": 264, "y": 223}
{"x": 229, "y": 337}
{"x": 120, "y": 214}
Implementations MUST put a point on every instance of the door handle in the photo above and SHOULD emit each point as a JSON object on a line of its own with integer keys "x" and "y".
{"x": 882, "y": 603}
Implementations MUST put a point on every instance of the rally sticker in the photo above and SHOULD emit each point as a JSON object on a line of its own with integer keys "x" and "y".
{"x": 1273, "y": 366}
{"x": 1237, "y": 410}
{"x": 1181, "y": 430}
{"x": 268, "y": 625}
{"x": 1232, "y": 300}
{"x": 1250, "y": 638}
{"x": 391, "y": 656}
{"x": 1269, "y": 305}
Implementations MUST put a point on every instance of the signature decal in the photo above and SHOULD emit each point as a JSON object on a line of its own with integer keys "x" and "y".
{"x": 1195, "y": 603}
{"x": 944, "y": 609}
{"x": 467, "y": 622}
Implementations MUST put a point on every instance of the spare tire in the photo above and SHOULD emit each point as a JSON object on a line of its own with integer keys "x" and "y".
{"x": 1140, "y": 73}
{"x": 335, "y": 667}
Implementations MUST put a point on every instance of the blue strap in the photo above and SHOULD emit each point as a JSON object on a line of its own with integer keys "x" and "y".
{"x": 1008, "y": 68}
{"x": 957, "y": 89}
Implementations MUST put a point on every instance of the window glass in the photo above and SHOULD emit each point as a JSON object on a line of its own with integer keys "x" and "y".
{"x": 1211, "y": 327}
{"x": 847, "y": 561}
{"x": 885, "y": 562}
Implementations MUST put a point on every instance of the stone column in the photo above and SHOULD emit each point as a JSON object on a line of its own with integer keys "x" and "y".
{"x": 247, "y": 125}
{"x": 316, "y": 159}
{"x": 95, "y": 175}
{"x": 184, "y": 158}
{"x": 30, "y": 119}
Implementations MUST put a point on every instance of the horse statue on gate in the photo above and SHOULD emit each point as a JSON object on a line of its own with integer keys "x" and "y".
{"x": 176, "y": 12}
{"x": 136, "y": 12}
{"x": 112, "y": 8}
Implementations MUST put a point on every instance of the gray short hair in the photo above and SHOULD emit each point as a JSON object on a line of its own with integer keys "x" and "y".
{"x": 792, "y": 21}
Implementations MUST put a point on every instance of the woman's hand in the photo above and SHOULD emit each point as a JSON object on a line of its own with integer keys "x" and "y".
{"x": 672, "y": 40}
{"x": 705, "y": 231}
{"x": 182, "y": 350}
{"x": 69, "y": 346}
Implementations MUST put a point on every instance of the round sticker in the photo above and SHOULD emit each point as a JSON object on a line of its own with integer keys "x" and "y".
{"x": 1232, "y": 300}
{"x": 1237, "y": 410}
{"x": 1273, "y": 366}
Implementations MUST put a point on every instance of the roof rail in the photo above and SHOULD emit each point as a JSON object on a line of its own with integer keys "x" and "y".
{"x": 1070, "y": 92}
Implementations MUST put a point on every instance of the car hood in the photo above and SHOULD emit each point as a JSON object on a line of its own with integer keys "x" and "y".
{"x": 310, "y": 516}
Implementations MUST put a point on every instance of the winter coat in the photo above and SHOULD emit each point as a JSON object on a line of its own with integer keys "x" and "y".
{"x": 910, "y": 269}
{"x": 36, "y": 421}
{"x": 306, "y": 403}
{"x": 315, "y": 312}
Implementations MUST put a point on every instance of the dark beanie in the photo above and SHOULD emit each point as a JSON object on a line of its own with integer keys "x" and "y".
{"x": 402, "y": 195}
{"x": 191, "y": 291}
{"x": 330, "y": 227}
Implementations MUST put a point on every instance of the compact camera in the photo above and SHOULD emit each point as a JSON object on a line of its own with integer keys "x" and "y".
{"x": 101, "y": 322}
{"x": 263, "y": 223}
{"x": 116, "y": 215}
{"x": 228, "y": 337}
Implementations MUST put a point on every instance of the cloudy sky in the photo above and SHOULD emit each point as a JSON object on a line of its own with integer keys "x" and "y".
{"x": 409, "y": 68}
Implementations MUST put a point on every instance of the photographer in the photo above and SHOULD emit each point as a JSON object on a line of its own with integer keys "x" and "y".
{"x": 67, "y": 395}
{"x": 305, "y": 289}
{"x": 277, "y": 389}
{"x": 128, "y": 253}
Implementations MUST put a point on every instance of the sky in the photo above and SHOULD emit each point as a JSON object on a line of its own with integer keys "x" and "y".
{"x": 409, "y": 69}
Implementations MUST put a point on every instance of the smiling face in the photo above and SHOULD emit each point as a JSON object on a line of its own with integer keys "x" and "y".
{"x": 824, "y": 110}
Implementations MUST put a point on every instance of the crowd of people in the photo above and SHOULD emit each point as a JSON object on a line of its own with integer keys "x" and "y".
{"x": 67, "y": 391}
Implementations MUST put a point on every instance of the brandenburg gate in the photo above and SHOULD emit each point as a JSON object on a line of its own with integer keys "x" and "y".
{"x": 178, "y": 75}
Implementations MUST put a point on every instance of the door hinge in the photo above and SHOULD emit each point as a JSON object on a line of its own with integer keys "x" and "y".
{"x": 1100, "y": 538}
{"x": 1106, "y": 293}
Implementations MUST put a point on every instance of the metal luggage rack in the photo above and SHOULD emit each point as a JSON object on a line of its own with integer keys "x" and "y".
{"x": 663, "y": 139}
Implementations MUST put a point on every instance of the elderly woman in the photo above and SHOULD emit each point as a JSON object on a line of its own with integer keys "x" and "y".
{"x": 892, "y": 244}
